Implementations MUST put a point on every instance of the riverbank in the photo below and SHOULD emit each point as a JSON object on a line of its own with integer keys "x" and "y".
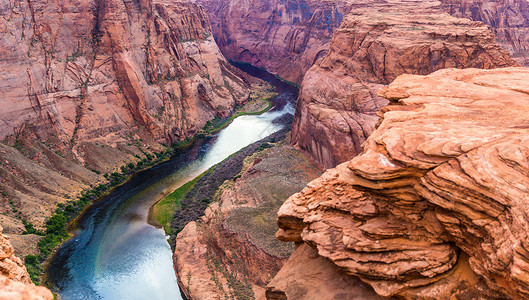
{"x": 161, "y": 213}
{"x": 59, "y": 227}
{"x": 231, "y": 249}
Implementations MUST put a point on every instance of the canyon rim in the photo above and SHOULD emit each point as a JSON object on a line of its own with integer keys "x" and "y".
{"x": 386, "y": 156}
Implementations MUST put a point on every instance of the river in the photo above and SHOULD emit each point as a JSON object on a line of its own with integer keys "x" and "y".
{"x": 115, "y": 253}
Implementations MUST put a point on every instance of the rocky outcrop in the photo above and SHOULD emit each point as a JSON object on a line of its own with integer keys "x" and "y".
{"x": 232, "y": 250}
{"x": 285, "y": 37}
{"x": 88, "y": 86}
{"x": 14, "y": 279}
{"x": 336, "y": 110}
{"x": 508, "y": 19}
{"x": 307, "y": 275}
{"x": 96, "y": 71}
{"x": 436, "y": 204}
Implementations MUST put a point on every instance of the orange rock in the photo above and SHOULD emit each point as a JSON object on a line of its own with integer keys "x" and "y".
{"x": 337, "y": 107}
{"x": 14, "y": 278}
{"x": 436, "y": 203}
{"x": 83, "y": 72}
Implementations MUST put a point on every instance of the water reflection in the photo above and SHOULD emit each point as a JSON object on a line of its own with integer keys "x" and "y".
{"x": 116, "y": 254}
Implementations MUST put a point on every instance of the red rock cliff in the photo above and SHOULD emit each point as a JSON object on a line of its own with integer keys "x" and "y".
{"x": 285, "y": 37}
{"x": 96, "y": 70}
{"x": 508, "y": 19}
{"x": 14, "y": 278}
{"x": 336, "y": 110}
{"x": 88, "y": 86}
{"x": 436, "y": 204}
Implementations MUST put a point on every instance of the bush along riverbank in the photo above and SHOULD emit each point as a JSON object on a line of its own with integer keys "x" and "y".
{"x": 187, "y": 203}
{"x": 56, "y": 227}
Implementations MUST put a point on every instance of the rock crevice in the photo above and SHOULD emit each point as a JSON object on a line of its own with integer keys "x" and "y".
{"x": 436, "y": 203}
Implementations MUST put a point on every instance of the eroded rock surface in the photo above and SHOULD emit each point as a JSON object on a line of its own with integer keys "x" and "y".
{"x": 14, "y": 279}
{"x": 285, "y": 37}
{"x": 232, "y": 250}
{"x": 336, "y": 110}
{"x": 96, "y": 70}
{"x": 436, "y": 204}
{"x": 307, "y": 275}
{"x": 508, "y": 19}
{"x": 88, "y": 86}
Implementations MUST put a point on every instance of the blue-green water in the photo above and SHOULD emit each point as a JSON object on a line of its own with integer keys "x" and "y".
{"x": 115, "y": 253}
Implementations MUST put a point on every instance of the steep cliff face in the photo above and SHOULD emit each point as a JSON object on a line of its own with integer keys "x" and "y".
{"x": 508, "y": 19}
{"x": 436, "y": 204}
{"x": 87, "y": 86}
{"x": 96, "y": 70}
{"x": 232, "y": 250}
{"x": 336, "y": 110}
{"x": 14, "y": 279}
{"x": 285, "y": 37}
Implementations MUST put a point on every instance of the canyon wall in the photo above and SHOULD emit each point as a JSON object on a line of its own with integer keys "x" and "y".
{"x": 88, "y": 86}
{"x": 232, "y": 251}
{"x": 436, "y": 204}
{"x": 87, "y": 71}
{"x": 508, "y": 19}
{"x": 14, "y": 278}
{"x": 285, "y": 37}
{"x": 337, "y": 107}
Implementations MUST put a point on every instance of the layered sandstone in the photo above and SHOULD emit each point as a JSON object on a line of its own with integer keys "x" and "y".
{"x": 96, "y": 71}
{"x": 88, "y": 86}
{"x": 232, "y": 249}
{"x": 14, "y": 279}
{"x": 508, "y": 19}
{"x": 285, "y": 37}
{"x": 436, "y": 204}
{"x": 336, "y": 110}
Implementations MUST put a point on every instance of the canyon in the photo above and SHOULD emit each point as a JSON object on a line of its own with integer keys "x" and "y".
{"x": 338, "y": 97}
{"x": 338, "y": 102}
{"x": 424, "y": 195}
{"x": 436, "y": 204}
{"x": 89, "y": 86}
{"x": 232, "y": 249}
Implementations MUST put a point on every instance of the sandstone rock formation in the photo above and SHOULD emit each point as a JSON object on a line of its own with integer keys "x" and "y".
{"x": 436, "y": 204}
{"x": 336, "y": 110}
{"x": 307, "y": 275}
{"x": 232, "y": 249}
{"x": 508, "y": 19}
{"x": 285, "y": 37}
{"x": 14, "y": 279}
{"x": 87, "y": 86}
{"x": 97, "y": 70}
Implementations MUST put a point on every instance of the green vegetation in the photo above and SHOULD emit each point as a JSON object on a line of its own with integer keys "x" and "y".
{"x": 164, "y": 210}
{"x": 217, "y": 123}
{"x": 30, "y": 228}
{"x": 56, "y": 226}
{"x": 188, "y": 203}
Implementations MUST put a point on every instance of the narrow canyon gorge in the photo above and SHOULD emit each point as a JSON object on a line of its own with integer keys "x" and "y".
{"x": 392, "y": 161}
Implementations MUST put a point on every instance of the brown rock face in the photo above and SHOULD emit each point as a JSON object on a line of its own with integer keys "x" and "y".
{"x": 14, "y": 279}
{"x": 436, "y": 204}
{"x": 285, "y": 37}
{"x": 87, "y": 71}
{"x": 307, "y": 275}
{"x": 508, "y": 19}
{"x": 95, "y": 84}
{"x": 336, "y": 110}
{"x": 232, "y": 251}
